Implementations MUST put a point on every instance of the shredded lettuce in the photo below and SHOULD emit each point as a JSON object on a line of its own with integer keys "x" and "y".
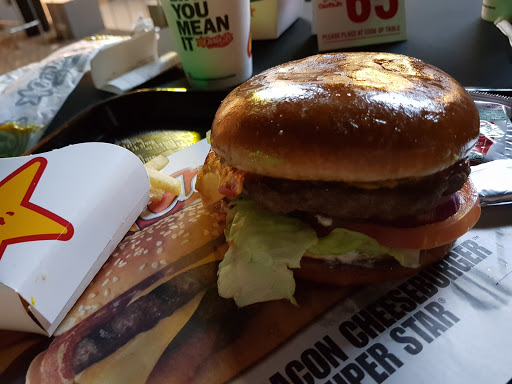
{"x": 263, "y": 246}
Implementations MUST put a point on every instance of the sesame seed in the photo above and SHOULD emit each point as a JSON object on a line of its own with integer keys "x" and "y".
{"x": 107, "y": 291}
{"x": 181, "y": 232}
{"x": 105, "y": 282}
{"x": 122, "y": 264}
{"x": 117, "y": 261}
{"x": 108, "y": 273}
{"x": 167, "y": 233}
{"x": 173, "y": 227}
{"x": 149, "y": 238}
{"x": 145, "y": 251}
{"x": 174, "y": 236}
{"x": 154, "y": 265}
{"x": 159, "y": 250}
{"x": 184, "y": 242}
{"x": 114, "y": 279}
{"x": 142, "y": 267}
{"x": 158, "y": 243}
{"x": 186, "y": 234}
{"x": 163, "y": 262}
{"x": 91, "y": 296}
{"x": 206, "y": 232}
{"x": 81, "y": 308}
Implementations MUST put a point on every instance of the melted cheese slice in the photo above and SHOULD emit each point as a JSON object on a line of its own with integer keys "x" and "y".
{"x": 134, "y": 362}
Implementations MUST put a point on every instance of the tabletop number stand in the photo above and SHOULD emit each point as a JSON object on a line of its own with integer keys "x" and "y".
{"x": 13, "y": 27}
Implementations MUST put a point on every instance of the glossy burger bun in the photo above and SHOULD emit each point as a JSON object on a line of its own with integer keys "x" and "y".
{"x": 352, "y": 117}
{"x": 341, "y": 274}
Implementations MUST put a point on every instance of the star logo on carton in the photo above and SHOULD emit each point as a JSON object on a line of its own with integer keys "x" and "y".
{"x": 20, "y": 219}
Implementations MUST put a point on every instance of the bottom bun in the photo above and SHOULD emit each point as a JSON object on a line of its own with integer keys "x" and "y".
{"x": 342, "y": 274}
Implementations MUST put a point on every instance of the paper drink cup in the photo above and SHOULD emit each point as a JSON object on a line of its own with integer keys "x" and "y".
{"x": 213, "y": 40}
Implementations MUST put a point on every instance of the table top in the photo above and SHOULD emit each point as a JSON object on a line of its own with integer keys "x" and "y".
{"x": 448, "y": 34}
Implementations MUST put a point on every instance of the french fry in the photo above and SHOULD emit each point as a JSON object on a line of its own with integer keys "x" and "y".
{"x": 157, "y": 163}
{"x": 160, "y": 182}
{"x": 156, "y": 194}
{"x": 164, "y": 182}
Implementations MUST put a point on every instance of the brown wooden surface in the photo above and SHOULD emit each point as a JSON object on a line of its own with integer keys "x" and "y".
{"x": 17, "y": 349}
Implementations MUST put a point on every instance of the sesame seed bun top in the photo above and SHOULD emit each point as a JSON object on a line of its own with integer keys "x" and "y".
{"x": 143, "y": 254}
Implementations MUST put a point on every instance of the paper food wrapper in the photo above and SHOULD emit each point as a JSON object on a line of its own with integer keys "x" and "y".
{"x": 343, "y": 24}
{"x": 134, "y": 61}
{"x": 32, "y": 95}
{"x": 441, "y": 326}
{"x": 61, "y": 215}
{"x": 153, "y": 314}
{"x": 270, "y": 18}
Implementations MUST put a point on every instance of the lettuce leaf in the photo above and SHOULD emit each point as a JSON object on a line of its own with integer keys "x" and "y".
{"x": 263, "y": 246}
{"x": 342, "y": 241}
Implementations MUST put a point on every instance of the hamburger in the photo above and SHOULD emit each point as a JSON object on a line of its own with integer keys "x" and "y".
{"x": 153, "y": 315}
{"x": 343, "y": 168}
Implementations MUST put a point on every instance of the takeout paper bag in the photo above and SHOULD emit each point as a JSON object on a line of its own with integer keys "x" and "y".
{"x": 61, "y": 215}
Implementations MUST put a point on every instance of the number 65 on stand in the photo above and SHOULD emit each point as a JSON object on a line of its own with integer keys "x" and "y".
{"x": 352, "y": 23}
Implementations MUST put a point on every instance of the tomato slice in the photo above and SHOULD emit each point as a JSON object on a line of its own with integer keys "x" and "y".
{"x": 429, "y": 235}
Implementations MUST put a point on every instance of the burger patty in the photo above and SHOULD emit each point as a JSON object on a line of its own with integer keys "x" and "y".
{"x": 410, "y": 197}
{"x": 141, "y": 315}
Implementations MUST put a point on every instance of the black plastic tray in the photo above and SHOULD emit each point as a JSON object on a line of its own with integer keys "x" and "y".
{"x": 135, "y": 113}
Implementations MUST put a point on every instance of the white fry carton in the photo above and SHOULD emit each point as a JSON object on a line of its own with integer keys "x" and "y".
{"x": 353, "y": 23}
{"x": 61, "y": 215}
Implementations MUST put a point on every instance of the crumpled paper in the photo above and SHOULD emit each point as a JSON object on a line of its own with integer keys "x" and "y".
{"x": 493, "y": 180}
{"x": 505, "y": 27}
{"x": 32, "y": 95}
